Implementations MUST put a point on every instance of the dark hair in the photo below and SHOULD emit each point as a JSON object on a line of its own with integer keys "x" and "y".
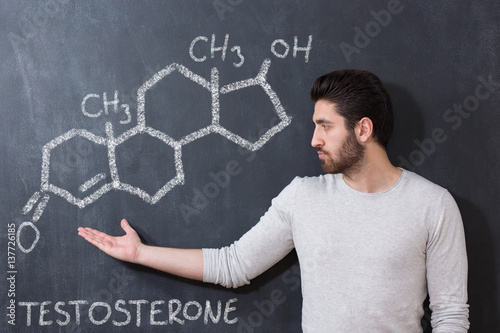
{"x": 357, "y": 94}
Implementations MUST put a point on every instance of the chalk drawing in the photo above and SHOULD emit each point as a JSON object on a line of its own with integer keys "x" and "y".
{"x": 111, "y": 142}
{"x": 31, "y": 202}
{"x": 91, "y": 182}
{"x": 115, "y": 103}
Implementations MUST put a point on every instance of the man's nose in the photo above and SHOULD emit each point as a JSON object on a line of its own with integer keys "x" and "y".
{"x": 317, "y": 140}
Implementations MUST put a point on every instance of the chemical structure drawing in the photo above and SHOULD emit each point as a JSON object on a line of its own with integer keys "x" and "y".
{"x": 110, "y": 144}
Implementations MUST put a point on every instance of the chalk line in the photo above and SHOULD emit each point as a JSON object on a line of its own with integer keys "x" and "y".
{"x": 214, "y": 88}
{"x": 18, "y": 238}
{"x": 197, "y": 135}
{"x": 40, "y": 208}
{"x": 111, "y": 144}
{"x": 91, "y": 182}
{"x": 141, "y": 92}
{"x": 79, "y": 202}
{"x": 149, "y": 84}
{"x": 31, "y": 202}
{"x": 259, "y": 80}
{"x": 59, "y": 140}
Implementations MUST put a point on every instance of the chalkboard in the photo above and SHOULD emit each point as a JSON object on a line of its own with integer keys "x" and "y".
{"x": 188, "y": 117}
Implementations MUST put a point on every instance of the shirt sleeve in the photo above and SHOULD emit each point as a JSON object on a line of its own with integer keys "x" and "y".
{"x": 446, "y": 261}
{"x": 261, "y": 247}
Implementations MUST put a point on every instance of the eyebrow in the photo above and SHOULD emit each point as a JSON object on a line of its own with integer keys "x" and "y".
{"x": 320, "y": 121}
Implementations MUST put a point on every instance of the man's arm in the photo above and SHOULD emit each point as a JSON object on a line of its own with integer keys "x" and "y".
{"x": 187, "y": 263}
{"x": 447, "y": 271}
{"x": 231, "y": 266}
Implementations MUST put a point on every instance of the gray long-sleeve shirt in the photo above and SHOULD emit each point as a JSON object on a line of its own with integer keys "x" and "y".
{"x": 367, "y": 260}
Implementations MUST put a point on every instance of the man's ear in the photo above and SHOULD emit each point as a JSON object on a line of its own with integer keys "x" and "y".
{"x": 364, "y": 129}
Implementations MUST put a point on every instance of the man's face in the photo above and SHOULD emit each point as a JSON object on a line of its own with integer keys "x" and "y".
{"x": 338, "y": 148}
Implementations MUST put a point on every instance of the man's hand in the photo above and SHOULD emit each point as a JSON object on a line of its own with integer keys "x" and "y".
{"x": 125, "y": 248}
{"x": 182, "y": 262}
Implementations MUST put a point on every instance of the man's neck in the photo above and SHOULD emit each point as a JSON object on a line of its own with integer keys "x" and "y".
{"x": 377, "y": 174}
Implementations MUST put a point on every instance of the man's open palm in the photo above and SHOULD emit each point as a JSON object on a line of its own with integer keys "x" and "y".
{"x": 123, "y": 247}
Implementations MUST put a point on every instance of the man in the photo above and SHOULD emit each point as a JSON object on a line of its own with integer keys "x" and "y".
{"x": 372, "y": 239}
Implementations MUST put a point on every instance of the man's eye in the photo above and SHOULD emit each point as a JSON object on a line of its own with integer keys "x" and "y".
{"x": 325, "y": 127}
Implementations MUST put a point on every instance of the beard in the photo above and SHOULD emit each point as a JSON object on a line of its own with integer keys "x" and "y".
{"x": 349, "y": 157}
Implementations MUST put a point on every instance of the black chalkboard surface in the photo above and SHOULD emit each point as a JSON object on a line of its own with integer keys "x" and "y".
{"x": 188, "y": 117}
